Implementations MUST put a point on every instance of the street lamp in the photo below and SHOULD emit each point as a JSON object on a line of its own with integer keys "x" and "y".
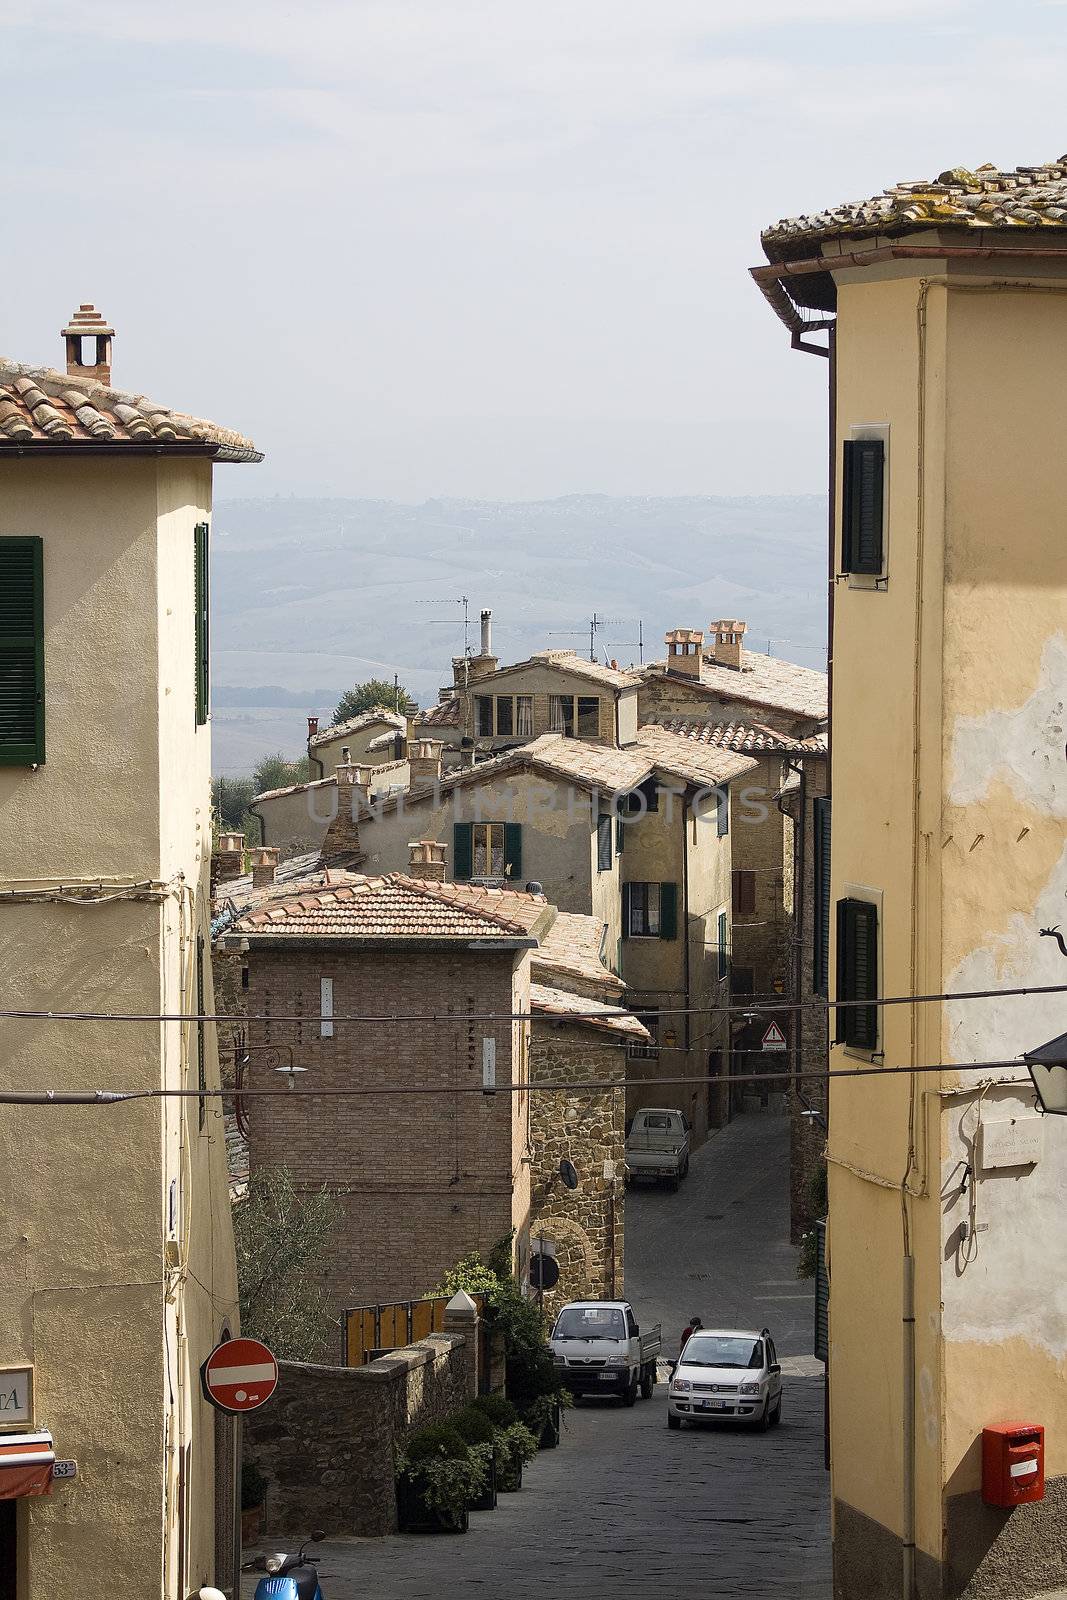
{"x": 1047, "y": 1066}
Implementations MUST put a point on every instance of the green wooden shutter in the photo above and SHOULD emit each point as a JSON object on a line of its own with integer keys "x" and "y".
{"x": 21, "y": 652}
{"x": 200, "y": 562}
{"x": 626, "y": 910}
{"x": 862, "y": 502}
{"x": 462, "y": 850}
{"x": 668, "y": 911}
{"x": 513, "y": 851}
{"x": 857, "y": 972}
{"x": 604, "y": 852}
{"x": 821, "y": 909}
{"x": 722, "y": 810}
{"x": 721, "y": 939}
{"x": 620, "y": 834}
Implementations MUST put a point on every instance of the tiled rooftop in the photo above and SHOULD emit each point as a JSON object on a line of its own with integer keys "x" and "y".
{"x": 570, "y": 952}
{"x": 563, "y": 1003}
{"x": 567, "y": 661}
{"x": 749, "y": 738}
{"x": 446, "y": 714}
{"x": 43, "y": 409}
{"x": 988, "y": 197}
{"x": 366, "y": 719}
{"x": 337, "y": 904}
{"x": 695, "y": 763}
{"x": 761, "y": 681}
{"x": 379, "y": 781}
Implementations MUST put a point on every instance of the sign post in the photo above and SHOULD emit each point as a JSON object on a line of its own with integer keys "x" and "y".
{"x": 239, "y": 1376}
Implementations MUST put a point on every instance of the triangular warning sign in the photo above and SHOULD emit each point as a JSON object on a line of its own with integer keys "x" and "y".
{"x": 774, "y": 1038}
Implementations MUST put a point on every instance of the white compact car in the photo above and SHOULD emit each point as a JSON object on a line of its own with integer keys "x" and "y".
{"x": 726, "y": 1373}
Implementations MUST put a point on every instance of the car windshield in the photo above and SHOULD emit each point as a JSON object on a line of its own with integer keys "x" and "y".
{"x": 722, "y": 1350}
{"x": 590, "y": 1322}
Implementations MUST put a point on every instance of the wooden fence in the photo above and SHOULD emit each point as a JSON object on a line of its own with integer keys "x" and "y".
{"x": 368, "y": 1330}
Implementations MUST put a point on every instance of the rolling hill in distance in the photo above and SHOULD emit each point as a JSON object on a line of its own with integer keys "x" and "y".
{"x": 311, "y": 596}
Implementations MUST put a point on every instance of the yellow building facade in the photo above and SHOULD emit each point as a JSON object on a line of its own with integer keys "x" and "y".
{"x": 947, "y": 1253}
{"x": 119, "y": 1274}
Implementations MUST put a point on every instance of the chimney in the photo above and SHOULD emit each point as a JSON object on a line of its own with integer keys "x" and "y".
{"x": 264, "y": 861}
{"x": 487, "y": 633}
{"x": 313, "y": 727}
{"x": 87, "y": 324}
{"x": 685, "y": 651}
{"x": 424, "y": 761}
{"x": 727, "y": 643}
{"x": 468, "y": 669}
{"x": 427, "y": 860}
{"x": 353, "y": 782}
{"x": 227, "y": 858}
{"x": 342, "y": 836}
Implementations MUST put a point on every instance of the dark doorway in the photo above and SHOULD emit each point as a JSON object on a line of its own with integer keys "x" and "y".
{"x": 9, "y": 1510}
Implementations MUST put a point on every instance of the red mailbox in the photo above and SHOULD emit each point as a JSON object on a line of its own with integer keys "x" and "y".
{"x": 1013, "y": 1463}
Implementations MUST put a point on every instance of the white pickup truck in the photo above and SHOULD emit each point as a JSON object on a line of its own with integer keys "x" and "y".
{"x": 657, "y": 1146}
{"x": 599, "y": 1349}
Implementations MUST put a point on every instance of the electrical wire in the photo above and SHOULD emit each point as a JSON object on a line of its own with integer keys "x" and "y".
{"x": 604, "y": 1014}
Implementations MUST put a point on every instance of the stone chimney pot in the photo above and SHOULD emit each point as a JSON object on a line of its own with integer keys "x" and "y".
{"x": 427, "y": 860}
{"x": 264, "y": 861}
{"x": 685, "y": 651}
{"x": 86, "y": 324}
{"x": 727, "y": 643}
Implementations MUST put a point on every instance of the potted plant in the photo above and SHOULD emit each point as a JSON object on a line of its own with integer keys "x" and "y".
{"x": 544, "y": 1418}
{"x": 253, "y": 1494}
{"x": 474, "y": 1427}
{"x": 437, "y": 1478}
{"x": 514, "y": 1444}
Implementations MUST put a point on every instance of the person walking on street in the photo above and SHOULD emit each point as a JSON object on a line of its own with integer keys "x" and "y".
{"x": 687, "y": 1333}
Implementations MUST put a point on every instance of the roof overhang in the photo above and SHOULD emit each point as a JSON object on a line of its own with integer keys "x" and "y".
{"x": 120, "y": 447}
{"x": 793, "y": 287}
{"x": 487, "y": 944}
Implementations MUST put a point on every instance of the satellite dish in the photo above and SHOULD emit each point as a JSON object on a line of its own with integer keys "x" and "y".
{"x": 569, "y": 1173}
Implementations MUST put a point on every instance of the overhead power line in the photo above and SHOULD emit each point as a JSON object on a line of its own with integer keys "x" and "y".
{"x": 603, "y": 1014}
{"x": 58, "y": 1097}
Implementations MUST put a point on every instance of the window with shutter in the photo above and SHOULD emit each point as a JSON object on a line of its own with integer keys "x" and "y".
{"x": 462, "y": 850}
{"x": 505, "y": 719}
{"x": 862, "y": 506}
{"x": 821, "y": 910}
{"x": 744, "y": 892}
{"x": 605, "y": 855}
{"x": 722, "y": 810}
{"x": 646, "y": 907}
{"x": 21, "y": 652}
{"x": 201, "y": 603}
{"x": 668, "y": 911}
{"x": 513, "y": 851}
{"x": 857, "y": 973}
{"x": 484, "y": 708}
{"x": 722, "y": 941}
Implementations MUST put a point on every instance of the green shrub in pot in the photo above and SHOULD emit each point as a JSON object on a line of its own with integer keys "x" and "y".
{"x": 438, "y": 1463}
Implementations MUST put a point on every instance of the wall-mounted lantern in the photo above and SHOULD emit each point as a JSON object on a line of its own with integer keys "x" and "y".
{"x": 1047, "y": 1066}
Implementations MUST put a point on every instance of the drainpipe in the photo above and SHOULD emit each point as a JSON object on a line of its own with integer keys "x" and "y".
{"x": 907, "y": 1584}
{"x": 687, "y": 1019}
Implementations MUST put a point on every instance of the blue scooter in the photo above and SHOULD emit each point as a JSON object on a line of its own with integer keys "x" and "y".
{"x": 288, "y": 1577}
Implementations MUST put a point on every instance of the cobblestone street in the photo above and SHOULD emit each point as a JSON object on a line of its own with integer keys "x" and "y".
{"x": 626, "y": 1507}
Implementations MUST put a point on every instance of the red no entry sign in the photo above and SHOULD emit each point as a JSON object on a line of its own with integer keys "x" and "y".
{"x": 239, "y": 1375}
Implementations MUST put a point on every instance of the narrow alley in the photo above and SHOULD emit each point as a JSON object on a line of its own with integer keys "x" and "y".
{"x": 626, "y": 1508}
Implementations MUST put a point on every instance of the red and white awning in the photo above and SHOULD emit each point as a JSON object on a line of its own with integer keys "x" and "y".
{"x": 26, "y": 1462}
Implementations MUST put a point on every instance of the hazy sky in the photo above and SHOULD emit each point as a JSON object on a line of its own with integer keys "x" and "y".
{"x": 473, "y": 247}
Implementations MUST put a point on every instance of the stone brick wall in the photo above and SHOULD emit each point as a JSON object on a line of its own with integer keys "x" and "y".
{"x": 587, "y": 1224}
{"x": 327, "y": 1443}
{"x": 423, "y": 1178}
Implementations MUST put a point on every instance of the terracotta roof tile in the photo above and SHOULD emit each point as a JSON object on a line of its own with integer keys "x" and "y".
{"x": 41, "y": 408}
{"x": 366, "y": 719}
{"x": 761, "y": 681}
{"x": 569, "y": 954}
{"x": 567, "y": 661}
{"x": 696, "y": 763}
{"x": 988, "y": 197}
{"x": 749, "y": 738}
{"x": 562, "y": 1003}
{"x": 446, "y": 714}
{"x": 337, "y": 904}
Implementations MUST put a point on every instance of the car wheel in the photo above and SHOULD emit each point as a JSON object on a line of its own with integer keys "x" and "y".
{"x": 672, "y": 1184}
{"x": 630, "y": 1397}
{"x": 685, "y": 1169}
{"x": 673, "y": 1422}
{"x": 764, "y": 1417}
{"x": 648, "y": 1385}
{"x": 776, "y": 1414}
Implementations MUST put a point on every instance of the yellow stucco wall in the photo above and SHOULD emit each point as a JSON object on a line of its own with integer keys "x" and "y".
{"x": 949, "y": 799}
{"x": 123, "y": 797}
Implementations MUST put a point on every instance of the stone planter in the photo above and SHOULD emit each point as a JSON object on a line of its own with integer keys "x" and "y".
{"x": 486, "y": 1501}
{"x": 415, "y": 1516}
{"x": 550, "y": 1432}
{"x": 509, "y": 1479}
{"x": 251, "y": 1522}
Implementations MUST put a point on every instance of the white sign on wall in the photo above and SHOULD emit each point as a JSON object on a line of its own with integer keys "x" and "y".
{"x": 1012, "y": 1141}
{"x": 16, "y": 1397}
{"x": 489, "y": 1064}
